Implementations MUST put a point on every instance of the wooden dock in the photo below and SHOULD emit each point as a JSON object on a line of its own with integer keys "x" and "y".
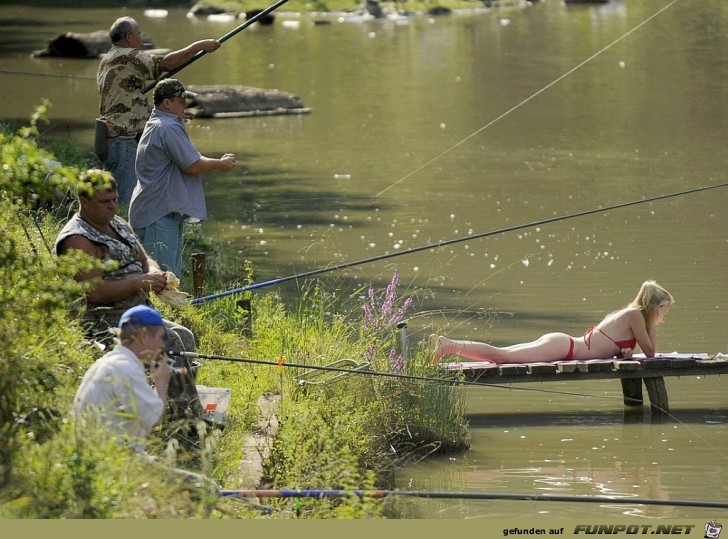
{"x": 632, "y": 373}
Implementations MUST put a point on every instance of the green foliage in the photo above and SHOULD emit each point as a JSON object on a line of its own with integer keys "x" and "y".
{"x": 30, "y": 174}
{"x": 337, "y": 433}
{"x": 222, "y": 269}
{"x": 335, "y": 428}
{"x": 66, "y": 151}
{"x": 48, "y": 467}
{"x": 83, "y": 473}
{"x": 39, "y": 351}
{"x": 320, "y": 446}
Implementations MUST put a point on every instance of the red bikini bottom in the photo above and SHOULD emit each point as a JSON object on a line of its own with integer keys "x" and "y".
{"x": 570, "y": 355}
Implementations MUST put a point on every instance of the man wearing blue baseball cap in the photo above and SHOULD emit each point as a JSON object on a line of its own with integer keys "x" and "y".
{"x": 116, "y": 385}
{"x": 97, "y": 231}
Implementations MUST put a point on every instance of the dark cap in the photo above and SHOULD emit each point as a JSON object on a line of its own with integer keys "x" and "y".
{"x": 141, "y": 315}
{"x": 171, "y": 88}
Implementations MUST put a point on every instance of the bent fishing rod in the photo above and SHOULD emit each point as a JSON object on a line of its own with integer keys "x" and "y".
{"x": 443, "y": 243}
{"x": 335, "y": 493}
{"x": 224, "y": 38}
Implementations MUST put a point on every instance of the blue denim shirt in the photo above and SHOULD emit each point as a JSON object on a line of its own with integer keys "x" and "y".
{"x": 164, "y": 152}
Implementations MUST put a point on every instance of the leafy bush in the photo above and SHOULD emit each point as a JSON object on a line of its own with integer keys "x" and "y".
{"x": 345, "y": 433}
{"x": 50, "y": 466}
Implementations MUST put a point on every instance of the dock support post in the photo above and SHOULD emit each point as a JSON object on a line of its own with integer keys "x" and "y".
{"x": 657, "y": 392}
{"x": 633, "y": 400}
{"x": 632, "y": 391}
{"x": 404, "y": 341}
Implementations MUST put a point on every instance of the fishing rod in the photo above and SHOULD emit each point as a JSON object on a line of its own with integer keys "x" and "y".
{"x": 379, "y": 494}
{"x": 27, "y": 236}
{"x": 447, "y": 381}
{"x": 224, "y": 38}
{"x": 443, "y": 243}
{"x": 282, "y": 363}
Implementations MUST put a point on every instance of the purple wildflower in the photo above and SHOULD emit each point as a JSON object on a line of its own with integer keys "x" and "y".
{"x": 382, "y": 318}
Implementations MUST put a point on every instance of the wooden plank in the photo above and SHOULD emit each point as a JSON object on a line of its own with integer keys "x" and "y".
{"x": 627, "y": 365}
{"x": 649, "y": 364}
{"x": 584, "y": 370}
{"x": 599, "y": 366}
{"x": 541, "y": 368}
{"x": 682, "y": 363}
{"x": 580, "y": 366}
{"x": 631, "y": 372}
{"x": 514, "y": 369}
{"x": 486, "y": 372}
{"x": 566, "y": 366}
{"x": 712, "y": 362}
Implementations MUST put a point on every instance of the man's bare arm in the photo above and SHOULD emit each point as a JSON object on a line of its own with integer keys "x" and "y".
{"x": 108, "y": 291}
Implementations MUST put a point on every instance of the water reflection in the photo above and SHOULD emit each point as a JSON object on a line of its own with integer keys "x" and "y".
{"x": 563, "y": 445}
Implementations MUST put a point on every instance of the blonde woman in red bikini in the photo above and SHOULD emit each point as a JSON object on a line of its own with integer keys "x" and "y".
{"x": 616, "y": 335}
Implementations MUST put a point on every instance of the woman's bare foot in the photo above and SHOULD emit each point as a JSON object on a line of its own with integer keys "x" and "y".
{"x": 438, "y": 347}
{"x": 433, "y": 340}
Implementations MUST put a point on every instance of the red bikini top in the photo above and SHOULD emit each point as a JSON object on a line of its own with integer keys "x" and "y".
{"x": 630, "y": 343}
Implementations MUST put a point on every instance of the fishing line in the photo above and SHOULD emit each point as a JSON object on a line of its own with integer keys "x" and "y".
{"x": 224, "y": 38}
{"x": 443, "y": 243}
{"x": 30, "y": 240}
{"x": 40, "y": 232}
{"x": 452, "y": 381}
{"x": 9, "y": 72}
{"x": 529, "y": 98}
{"x": 196, "y": 57}
{"x": 326, "y": 493}
{"x": 446, "y": 381}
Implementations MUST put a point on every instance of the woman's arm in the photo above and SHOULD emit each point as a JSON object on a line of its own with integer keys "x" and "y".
{"x": 646, "y": 339}
{"x": 652, "y": 332}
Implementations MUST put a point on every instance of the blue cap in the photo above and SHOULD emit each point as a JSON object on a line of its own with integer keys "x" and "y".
{"x": 141, "y": 315}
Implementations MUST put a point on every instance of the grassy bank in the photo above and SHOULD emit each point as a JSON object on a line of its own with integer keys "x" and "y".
{"x": 351, "y": 433}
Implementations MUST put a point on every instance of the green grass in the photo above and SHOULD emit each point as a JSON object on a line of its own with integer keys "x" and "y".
{"x": 349, "y": 433}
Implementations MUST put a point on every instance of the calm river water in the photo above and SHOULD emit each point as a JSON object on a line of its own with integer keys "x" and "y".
{"x": 430, "y": 129}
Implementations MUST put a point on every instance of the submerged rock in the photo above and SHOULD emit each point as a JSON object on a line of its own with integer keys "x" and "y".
{"x": 206, "y": 10}
{"x": 239, "y": 101}
{"x": 82, "y": 45}
{"x": 202, "y": 10}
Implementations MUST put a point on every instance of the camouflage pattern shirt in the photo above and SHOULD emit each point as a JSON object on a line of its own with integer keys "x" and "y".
{"x": 123, "y": 73}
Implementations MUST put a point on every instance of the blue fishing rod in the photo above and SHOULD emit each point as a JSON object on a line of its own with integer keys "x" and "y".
{"x": 224, "y": 38}
{"x": 443, "y": 243}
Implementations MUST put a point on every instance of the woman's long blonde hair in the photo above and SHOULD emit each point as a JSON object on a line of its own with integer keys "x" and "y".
{"x": 649, "y": 299}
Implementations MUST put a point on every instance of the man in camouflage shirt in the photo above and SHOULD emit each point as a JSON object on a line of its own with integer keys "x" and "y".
{"x": 122, "y": 75}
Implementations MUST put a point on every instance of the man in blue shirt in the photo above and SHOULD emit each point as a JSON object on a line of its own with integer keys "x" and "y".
{"x": 123, "y": 73}
{"x": 169, "y": 189}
